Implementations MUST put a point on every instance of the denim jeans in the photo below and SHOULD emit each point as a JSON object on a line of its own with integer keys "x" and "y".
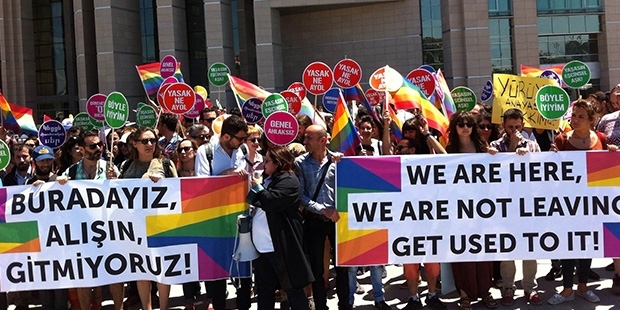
{"x": 375, "y": 279}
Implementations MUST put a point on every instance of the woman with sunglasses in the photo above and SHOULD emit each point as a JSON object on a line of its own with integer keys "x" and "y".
{"x": 472, "y": 279}
{"x": 199, "y": 133}
{"x": 488, "y": 131}
{"x": 146, "y": 161}
{"x": 186, "y": 155}
{"x": 277, "y": 232}
{"x": 253, "y": 158}
{"x": 69, "y": 154}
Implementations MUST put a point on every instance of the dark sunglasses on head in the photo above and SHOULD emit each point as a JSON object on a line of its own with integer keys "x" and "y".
{"x": 485, "y": 126}
{"x": 184, "y": 149}
{"x": 469, "y": 124}
{"x": 255, "y": 140}
{"x": 95, "y": 145}
{"x": 146, "y": 141}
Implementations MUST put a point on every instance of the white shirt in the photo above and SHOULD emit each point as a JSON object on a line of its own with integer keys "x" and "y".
{"x": 221, "y": 160}
{"x": 260, "y": 229}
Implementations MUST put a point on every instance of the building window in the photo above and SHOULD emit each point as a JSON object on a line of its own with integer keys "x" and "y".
{"x": 562, "y": 49}
{"x": 500, "y": 8}
{"x": 501, "y": 45}
{"x": 568, "y": 6}
{"x": 197, "y": 42}
{"x": 148, "y": 29}
{"x": 548, "y": 25}
{"x": 432, "y": 45}
{"x": 49, "y": 45}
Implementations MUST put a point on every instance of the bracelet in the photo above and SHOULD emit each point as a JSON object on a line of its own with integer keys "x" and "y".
{"x": 428, "y": 134}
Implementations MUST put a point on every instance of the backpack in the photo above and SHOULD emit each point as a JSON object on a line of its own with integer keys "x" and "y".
{"x": 209, "y": 153}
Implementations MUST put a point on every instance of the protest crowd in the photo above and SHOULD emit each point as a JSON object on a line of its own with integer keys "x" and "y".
{"x": 293, "y": 202}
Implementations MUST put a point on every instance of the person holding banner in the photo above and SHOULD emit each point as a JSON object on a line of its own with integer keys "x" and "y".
{"x": 513, "y": 141}
{"x": 317, "y": 178}
{"x": 416, "y": 129}
{"x": 277, "y": 233}
{"x": 146, "y": 161}
{"x": 487, "y": 130}
{"x": 581, "y": 138}
{"x": 92, "y": 167}
{"x": 472, "y": 279}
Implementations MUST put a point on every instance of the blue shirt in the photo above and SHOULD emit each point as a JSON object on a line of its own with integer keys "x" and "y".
{"x": 310, "y": 172}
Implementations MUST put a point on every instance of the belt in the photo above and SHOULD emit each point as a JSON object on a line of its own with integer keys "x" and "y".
{"x": 316, "y": 216}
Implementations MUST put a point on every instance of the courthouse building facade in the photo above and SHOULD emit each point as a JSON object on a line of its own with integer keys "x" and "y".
{"x": 54, "y": 54}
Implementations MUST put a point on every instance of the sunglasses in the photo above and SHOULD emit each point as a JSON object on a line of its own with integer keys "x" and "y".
{"x": 186, "y": 149}
{"x": 210, "y": 119}
{"x": 485, "y": 126}
{"x": 255, "y": 140}
{"x": 203, "y": 137}
{"x": 95, "y": 145}
{"x": 468, "y": 125}
{"x": 147, "y": 141}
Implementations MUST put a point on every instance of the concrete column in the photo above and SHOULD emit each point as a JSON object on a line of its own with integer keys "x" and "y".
{"x": 268, "y": 46}
{"x": 172, "y": 31}
{"x": 218, "y": 23}
{"x": 525, "y": 35}
{"x": 17, "y": 52}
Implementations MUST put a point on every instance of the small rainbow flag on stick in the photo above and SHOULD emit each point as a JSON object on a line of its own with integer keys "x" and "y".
{"x": 345, "y": 138}
{"x": 151, "y": 79}
{"x": 17, "y": 118}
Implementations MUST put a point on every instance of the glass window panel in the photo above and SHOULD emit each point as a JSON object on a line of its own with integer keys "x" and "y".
{"x": 576, "y": 23}
{"x": 592, "y": 23}
{"x": 560, "y": 24}
{"x": 544, "y": 25}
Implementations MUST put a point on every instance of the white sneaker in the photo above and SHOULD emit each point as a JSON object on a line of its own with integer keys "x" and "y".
{"x": 558, "y": 299}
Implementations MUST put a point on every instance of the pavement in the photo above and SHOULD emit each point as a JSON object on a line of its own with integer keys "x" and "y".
{"x": 397, "y": 296}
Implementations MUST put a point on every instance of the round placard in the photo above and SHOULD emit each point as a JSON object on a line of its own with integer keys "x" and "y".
{"x": 146, "y": 116}
{"x": 273, "y": 103}
{"x": 83, "y": 120}
{"x": 347, "y": 73}
{"x": 216, "y": 126}
{"x": 5, "y": 155}
{"x": 428, "y": 68}
{"x": 199, "y": 105}
{"x": 94, "y": 106}
{"x": 330, "y": 99}
{"x": 167, "y": 66}
{"x": 423, "y": 79}
{"x": 464, "y": 98}
{"x": 375, "y": 97}
{"x": 576, "y": 74}
{"x": 281, "y": 128}
{"x": 116, "y": 110}
{"x": 251, "y": 110}
{"x": 317, "y": 78}
{"x": 550, "y": 74}
{"x": 52, "y": 133}
{"x": 487, "y": 91}
{"x": 179, "y": 98}
{"x": 201, "y": 91}
{"x": 161, "y": 93}
{"x": 218, "y": 74}
{"x": 293, "y": 100}
{"x": 552, "y": 102}
{"x": 299, "y": 89}
{"x": 385, "y": 78}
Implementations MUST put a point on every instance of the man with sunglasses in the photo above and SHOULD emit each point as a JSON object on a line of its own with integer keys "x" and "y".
{"x": 513, "y": 141}
{"x": 208, "y": 115}
{"x": 226, "y": 159}
{"x": 93, "y": 167}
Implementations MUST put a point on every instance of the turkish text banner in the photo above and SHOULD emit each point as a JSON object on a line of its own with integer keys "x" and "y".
{"x": 92, "y": 233}
{"x": 477, "y": 207}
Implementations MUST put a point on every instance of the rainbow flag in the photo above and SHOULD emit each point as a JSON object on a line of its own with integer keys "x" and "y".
{"x": 345, "y": 138}
{"x": 357, "y": 93}
{"x": 151, "y": 80}
{"x": 396, "y": 125}
{"x": 17, "y": 237}
{"x": 536, "y": 72}
{"x": 602, "y": 168}
{"x": 245, "y": 90}
{"x": 17, "y": 118}
{"x": 447, "y": 103}
{"x": 209, "y": 219}
{"x": 409, "y": 96}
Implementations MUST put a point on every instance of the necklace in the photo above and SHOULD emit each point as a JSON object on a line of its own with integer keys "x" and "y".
{"x": 583, "y": 140}
{"x": 90, "y": 174}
